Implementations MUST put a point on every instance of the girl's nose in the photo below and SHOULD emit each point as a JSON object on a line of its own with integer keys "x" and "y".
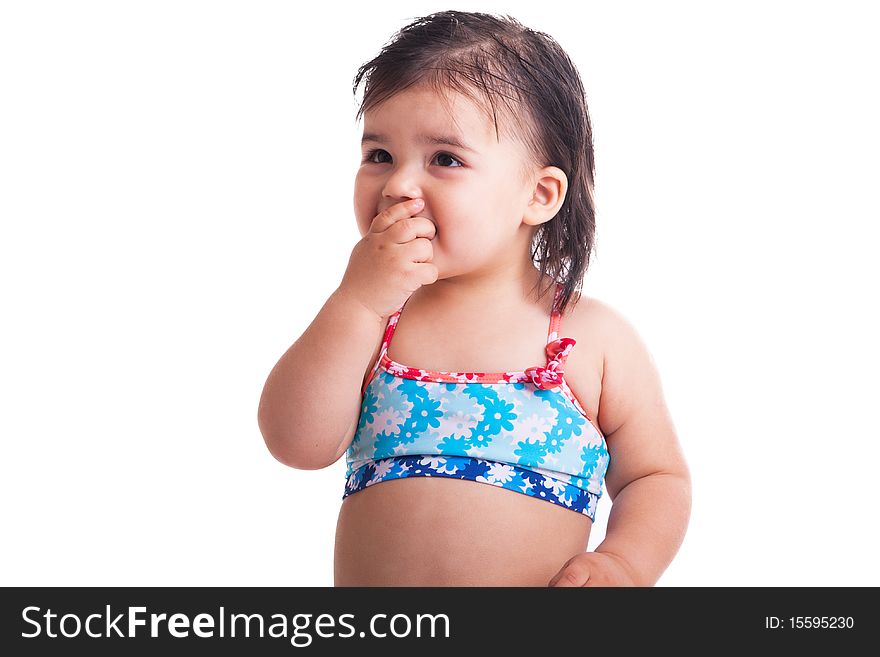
{"x": 402, "y": 183}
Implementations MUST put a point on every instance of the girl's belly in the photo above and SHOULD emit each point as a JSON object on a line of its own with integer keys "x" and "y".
{"x": 434, "y": 531}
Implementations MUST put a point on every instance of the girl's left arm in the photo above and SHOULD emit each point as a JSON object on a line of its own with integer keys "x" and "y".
{"x": 647, "y": 480}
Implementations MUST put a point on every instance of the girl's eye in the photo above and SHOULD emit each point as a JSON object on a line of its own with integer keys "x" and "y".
{"x": 368, "y": 158}
{"x": 454, "y": 159}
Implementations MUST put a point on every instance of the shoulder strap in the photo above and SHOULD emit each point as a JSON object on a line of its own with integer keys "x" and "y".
{"x": 386, "y": 340}
{"x": 555, "y": 316}
{"x": 389, "y": 329}
{"x": 551, "y": 375}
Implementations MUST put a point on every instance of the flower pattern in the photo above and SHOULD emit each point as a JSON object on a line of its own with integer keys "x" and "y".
{"x": 503, "y": 475}
{"x": 523, "y": 431}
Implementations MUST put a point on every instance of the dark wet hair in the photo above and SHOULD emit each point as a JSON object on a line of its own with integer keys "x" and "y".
{"x": 486, "y": 58}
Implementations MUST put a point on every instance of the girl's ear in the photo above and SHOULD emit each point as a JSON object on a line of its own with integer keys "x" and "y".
{"x": 550, "y": 186}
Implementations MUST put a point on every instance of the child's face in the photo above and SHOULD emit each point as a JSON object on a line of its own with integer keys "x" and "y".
{"x": 475, "y": 198}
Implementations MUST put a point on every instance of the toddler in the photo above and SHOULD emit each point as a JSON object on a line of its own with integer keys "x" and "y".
{"x": 481, "y": 401}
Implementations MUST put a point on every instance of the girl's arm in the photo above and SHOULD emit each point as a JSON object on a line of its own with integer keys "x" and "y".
{"x": 647, "y": 479}
{"x": 311, "y": 400}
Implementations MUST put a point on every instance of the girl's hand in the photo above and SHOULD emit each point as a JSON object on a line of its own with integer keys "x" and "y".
{"x": 593, "y": 569}
{"x": 392, "y": 260}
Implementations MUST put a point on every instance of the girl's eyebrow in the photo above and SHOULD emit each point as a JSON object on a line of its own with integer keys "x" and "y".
{"x": 447, "y": 140}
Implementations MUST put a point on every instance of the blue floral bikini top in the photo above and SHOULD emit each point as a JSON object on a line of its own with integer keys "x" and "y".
{"x": 523, "y": 431}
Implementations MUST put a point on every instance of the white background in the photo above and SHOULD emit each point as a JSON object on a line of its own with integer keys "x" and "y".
{"x": 176, "y": 187}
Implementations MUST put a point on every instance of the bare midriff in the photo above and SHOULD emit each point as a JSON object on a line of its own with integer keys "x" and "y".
{"x": 434, "y": 531}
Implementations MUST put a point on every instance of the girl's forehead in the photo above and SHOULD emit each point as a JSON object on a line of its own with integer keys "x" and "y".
{"x": 448, "y": 111}
{"x": 428, "y": 100}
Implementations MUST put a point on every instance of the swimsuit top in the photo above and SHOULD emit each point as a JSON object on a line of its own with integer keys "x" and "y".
{"x": 524, "y": 431}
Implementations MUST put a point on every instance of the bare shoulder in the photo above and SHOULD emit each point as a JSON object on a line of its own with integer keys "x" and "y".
{"x": 630, "y": 380}
{"x": 628, "y": 374}
{"x": 592, "y": 317}
{"x": 632, "y": 409}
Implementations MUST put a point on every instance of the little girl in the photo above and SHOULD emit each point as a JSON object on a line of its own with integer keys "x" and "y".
{"x": 477, "y": 437}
